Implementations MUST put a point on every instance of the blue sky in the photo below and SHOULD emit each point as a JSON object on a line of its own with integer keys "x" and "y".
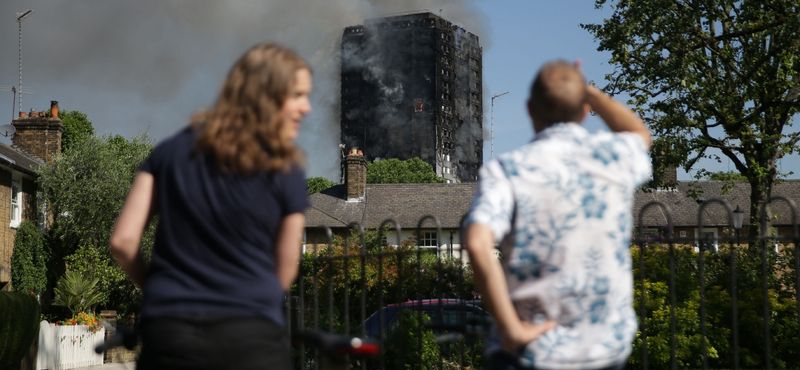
{"x": 526, "y": 34}
{"x": 148, "y": 65}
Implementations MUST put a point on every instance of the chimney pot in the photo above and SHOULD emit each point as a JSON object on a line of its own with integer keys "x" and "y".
{"x": 360, "y": 153}
{"x": 54, "y": 108}
{"x": 23, "y": 114}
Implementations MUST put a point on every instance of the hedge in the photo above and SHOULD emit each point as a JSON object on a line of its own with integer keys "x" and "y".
{"x": 19, "y": 315}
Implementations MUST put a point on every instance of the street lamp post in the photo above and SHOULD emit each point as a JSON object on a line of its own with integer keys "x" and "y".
{"x": 738, "y": 217}
{"x": 20, "y": 16}
{"x": 492, "y": 140}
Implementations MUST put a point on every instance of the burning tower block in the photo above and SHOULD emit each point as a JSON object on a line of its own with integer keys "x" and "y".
{"x": 412, "y": 87}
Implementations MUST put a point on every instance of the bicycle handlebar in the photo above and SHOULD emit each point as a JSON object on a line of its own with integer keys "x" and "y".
{"x": 336, "y": 343}
{"x": 126, "y": 338}
{"x": 327, "y": 343}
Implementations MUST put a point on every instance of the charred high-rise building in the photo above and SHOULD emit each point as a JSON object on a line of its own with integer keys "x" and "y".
{"x": 412, "y": 87}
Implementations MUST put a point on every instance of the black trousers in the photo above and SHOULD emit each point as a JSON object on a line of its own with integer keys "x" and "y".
{"x": 502, "y": 360}
{"x": 208, "y": 343}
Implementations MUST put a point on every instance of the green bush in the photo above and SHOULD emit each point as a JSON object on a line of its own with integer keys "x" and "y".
{"x": 29, "y": 260}
{"x": 116, "y": 290}
{"x": 718, "y": 303}
{"x": 403, "y": 342}
{"x": 19, "y": 315}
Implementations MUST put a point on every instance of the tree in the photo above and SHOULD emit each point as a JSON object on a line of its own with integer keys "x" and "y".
{"x": 710, "y": 78}
{"x": 318, "y": 184}
{"x": 76, "y": 127}
{"x": 395, "y": 171}
{"x": 84, "y": 191}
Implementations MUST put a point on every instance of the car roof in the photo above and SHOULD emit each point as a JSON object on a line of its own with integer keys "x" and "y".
{"x": 434, "y": 302}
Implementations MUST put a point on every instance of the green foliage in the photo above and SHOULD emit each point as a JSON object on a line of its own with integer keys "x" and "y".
{"x": 76, "y": 292}
{"x": 725, "y": 176}
{"x": 318, "y": 184}
{"x": 115, "y": 288}
{"x": 76, "y": 128}
{"x": 85, "y": 189}
{"x": 712, "y": 80}
{"x": 19, "y": 315}
{"x": 403, "y": 351}
{"x": 29, "y": 259}
{"x": 331, "y": 275}
{"x": 395, "y": 171}
{"x": 86, "y": 186}
{"x": 718, "y": 308}
{"x": 729, "y": 178}
{"x": 389, "y": 275}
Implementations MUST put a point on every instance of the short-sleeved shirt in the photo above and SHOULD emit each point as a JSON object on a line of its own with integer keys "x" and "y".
{"x": 214, "y": 248}
{"x": 560, "y": 207}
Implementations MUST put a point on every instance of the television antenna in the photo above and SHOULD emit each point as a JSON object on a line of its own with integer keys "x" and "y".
{"x": 13, "y": 90}
{"x": 20, "y": 17}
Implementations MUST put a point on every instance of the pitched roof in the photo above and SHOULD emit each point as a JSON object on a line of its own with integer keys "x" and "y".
{"x": 684, "y": 208}
{"x": 408, "y": 203}
{"x": 405, "y": 203}
{"x": 18, "y": 159}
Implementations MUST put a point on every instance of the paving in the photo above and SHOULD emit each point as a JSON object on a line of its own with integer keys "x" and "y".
{"x": 112, "y": 366}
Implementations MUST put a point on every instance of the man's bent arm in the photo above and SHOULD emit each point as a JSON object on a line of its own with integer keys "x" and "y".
{"x": 491, "y": 284}
{"x": 616, "y": 115}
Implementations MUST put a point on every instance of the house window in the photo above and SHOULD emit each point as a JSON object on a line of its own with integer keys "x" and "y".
{"x": 706, "y": 240}
{"x": 16, "y": 200}
{"x": 427, "y": 239}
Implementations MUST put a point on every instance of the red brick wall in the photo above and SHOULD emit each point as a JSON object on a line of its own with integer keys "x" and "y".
{"x": 40, "y": 137}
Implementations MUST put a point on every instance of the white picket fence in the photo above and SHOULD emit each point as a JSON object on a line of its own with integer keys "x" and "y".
{"x": 67, "y": 347}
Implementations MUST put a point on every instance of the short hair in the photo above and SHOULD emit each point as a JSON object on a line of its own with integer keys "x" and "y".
{"x": 242, "y": 130}
{"x": 558, "y": 93}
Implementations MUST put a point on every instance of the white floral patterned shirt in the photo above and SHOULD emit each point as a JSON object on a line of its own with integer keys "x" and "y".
{"x": 560, "y": 207}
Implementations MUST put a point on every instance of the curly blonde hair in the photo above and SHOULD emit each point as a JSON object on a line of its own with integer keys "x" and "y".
{"x": 241, "y": 132}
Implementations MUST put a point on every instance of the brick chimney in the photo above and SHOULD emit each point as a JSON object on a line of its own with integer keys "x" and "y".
{"x": 355, "y": 175}
{"x": 39, "y": 136}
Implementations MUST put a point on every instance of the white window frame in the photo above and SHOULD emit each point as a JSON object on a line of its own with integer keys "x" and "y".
{"x": 16, "y": 200}
{"x": 427, "y": 239}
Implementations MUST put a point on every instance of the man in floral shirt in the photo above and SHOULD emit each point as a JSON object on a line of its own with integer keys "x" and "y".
{"x": 560, "y": 208}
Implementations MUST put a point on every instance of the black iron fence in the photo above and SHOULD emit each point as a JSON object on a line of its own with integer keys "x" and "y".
{"x": 726, "y": 303}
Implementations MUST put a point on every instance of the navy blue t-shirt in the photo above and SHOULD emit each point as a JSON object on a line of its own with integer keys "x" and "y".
{"x": 213, "y": 252}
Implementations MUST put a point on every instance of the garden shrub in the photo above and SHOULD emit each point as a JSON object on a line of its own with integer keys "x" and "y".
{"x": 29, "y": 260}
{"x": 403, "y": 341}
{"x": 19, "y": 315}
{"x": 76, "y": 292}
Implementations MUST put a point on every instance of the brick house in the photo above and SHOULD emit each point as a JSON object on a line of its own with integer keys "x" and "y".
{"x": 36, "y": 142}
{"x": 372, "y": 204}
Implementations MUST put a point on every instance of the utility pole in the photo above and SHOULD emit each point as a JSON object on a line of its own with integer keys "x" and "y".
{"x": 20, "y": 16}
{"x": 494, "y": 97}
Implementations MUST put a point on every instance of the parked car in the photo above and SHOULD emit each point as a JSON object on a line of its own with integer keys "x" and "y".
{"x": 455, "y": 312}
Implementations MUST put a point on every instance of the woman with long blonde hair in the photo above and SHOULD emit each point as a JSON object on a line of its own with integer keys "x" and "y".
{"x": 230, "y": 192}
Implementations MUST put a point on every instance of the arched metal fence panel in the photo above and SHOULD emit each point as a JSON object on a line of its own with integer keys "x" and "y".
{"x": 704, "y": 301}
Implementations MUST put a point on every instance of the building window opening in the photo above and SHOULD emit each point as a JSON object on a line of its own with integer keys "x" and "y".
{"x": 427, "y": 239}
{"x": 16, "y": 201}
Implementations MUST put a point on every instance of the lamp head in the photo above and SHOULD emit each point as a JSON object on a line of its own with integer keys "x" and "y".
{"x": 738, "y": 217}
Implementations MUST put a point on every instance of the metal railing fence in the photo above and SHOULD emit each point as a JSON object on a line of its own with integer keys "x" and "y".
{"x": 700, "y": 304}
